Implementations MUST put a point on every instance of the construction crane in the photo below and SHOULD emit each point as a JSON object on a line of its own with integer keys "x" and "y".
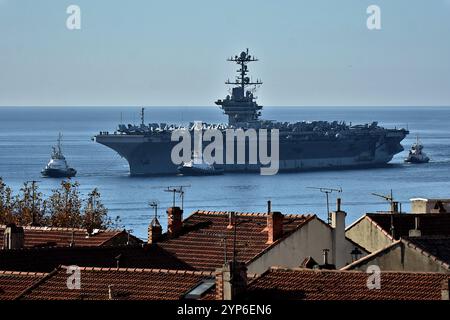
{"x": 327, "y": 191}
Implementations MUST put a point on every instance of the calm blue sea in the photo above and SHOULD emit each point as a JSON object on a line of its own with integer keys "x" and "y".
{"x": 27, "y": 134}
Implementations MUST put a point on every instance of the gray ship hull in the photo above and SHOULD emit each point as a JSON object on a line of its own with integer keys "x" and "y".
{"x": 152, "y": 155}
{"x": 302, "y": 145}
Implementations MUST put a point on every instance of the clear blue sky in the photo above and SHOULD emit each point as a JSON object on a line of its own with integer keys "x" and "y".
{"x": 145, "y": 52}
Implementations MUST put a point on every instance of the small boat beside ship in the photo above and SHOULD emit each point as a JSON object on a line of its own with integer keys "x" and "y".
{"x": 416, "y": 154}
{"x": 57, "y": 167}
{"x": 192, "y": 168}
{"x": 198, "y": 167}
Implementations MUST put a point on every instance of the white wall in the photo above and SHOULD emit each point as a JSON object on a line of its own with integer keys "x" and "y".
{"x": 403, "y": 258}
{"x": 309, "y": 240}
{"x": 367, "y": 235}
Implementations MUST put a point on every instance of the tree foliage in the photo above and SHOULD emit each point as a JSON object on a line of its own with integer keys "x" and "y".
{"x": 29, "y": 206}
{"x": 63, "y": 208}
{"x": 6, "y": 204}
{"x": 95, "y": 215}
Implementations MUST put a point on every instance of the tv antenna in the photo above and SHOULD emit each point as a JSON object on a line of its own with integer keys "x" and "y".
{"x": 180, "y": 190}
{"x": 390, "y": 199}
{"x": 223, "y": 239}
{"x": 154, "y": 204}
{"x": 327, "y": 192}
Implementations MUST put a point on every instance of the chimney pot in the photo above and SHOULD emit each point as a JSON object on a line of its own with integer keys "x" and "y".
{"x": 394, "y": 207}
{"x": 269, "y": 206}
{"x": 416, "y": 231}
{"x": 444, "y": 289}
{"x": 325, "y": 256}
{"x": 154, "y": 231}
{"x": 13, "y": 237}
{"x": 338, "y": 204}
{"x": 339, "y": 252}
{"x": 175, "y": 221}
{"x": 231, "y": 280}
{"x": 111, "y": 293}
{"x": 231, "y": 219}
{"x": 274, "y": 226}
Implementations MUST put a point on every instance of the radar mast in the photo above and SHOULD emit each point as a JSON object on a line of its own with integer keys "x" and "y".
{"x": 241, "y": 107}
{"x": 242, "y": 80}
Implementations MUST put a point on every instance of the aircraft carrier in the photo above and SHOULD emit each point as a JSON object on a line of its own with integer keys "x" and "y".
{"x": 302, "y": 146}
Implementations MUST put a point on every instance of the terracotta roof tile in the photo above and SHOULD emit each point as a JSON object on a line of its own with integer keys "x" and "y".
{"x": 47, "y": 259}
{"x": 51, "y": 237}
{"x": 13, "y": 283}
{"x": 201, "y": 243}
{"x": 128, "y": 284}
{"x": 303, "y": 284}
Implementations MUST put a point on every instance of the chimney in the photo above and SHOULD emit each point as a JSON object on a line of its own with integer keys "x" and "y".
{"x": 338, "y": 225}
{"x": 394, "y": 207}
{"x": 111, "y": 293}
{"x": 231, "y": 280}
{"x": 13, "y": 237}
{"x": 175, "y": 221}
{"x": 274, "y": 226}
{"x": 269, "y": 206}
{"x": 444, "y": 289}
{"x": 231, "y": 219}
{"x": 117, "y": 258}
{"x": 326, "y": 263}
{"x": 154, "y": 231}
{"x": 325, "y": 256}
{"x": 416, "y": 231}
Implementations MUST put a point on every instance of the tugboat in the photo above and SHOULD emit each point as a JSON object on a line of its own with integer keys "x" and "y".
{"x": 416, "y": 155}
{"x": 198, "y": 167}
{"x": 57, "y": 166}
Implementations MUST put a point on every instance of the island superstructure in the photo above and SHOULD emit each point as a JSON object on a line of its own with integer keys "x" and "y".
{"x": 303, "y": 145}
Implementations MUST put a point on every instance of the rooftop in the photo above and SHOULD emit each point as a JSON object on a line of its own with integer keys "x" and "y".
{"x": 125, "y": 284}
{"x": 430, "y": 199}
{"x": 305, "y": 284}
{"x": 13, "y": 283}
{"x": 51, "y": 237}
{"x": 436, "y": 248}
{"x": 47, "y": 259}
{"x": 429, "y": 223}
{"x": 202, "y": 244}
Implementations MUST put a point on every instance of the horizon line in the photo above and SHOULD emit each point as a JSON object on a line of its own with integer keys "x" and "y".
{"x": 208, "y": 106}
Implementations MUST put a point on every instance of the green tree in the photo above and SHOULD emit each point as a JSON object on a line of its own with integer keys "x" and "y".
{"x": 95, "y": 215}
{"x": 64, "y": 206}
{"x": 62, "y": 209}
{"x": 29, "y": 206}
{"x": 6, "y": 204}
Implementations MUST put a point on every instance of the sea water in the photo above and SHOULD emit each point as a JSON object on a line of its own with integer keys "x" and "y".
{"x": 28, "y": 133}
